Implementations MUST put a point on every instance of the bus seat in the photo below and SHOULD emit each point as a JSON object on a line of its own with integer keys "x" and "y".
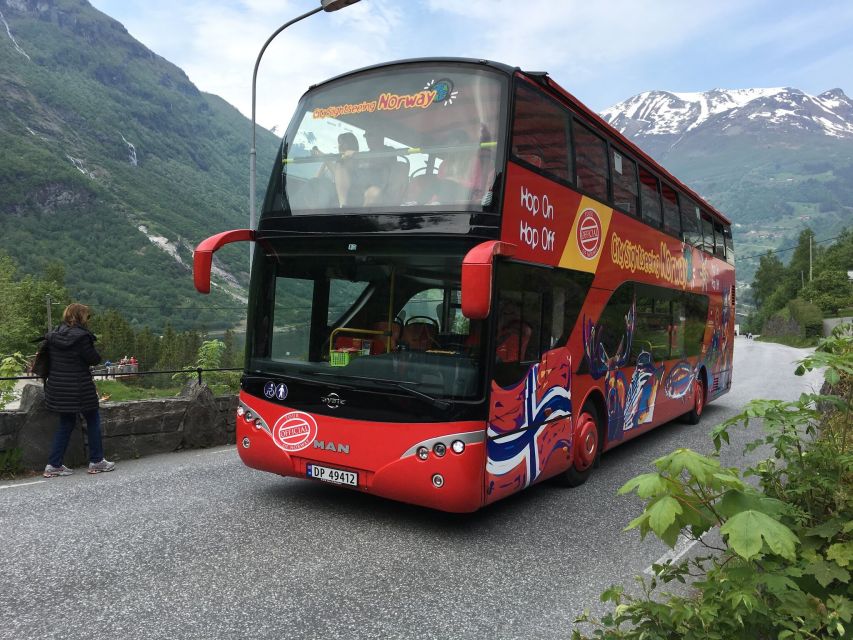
{"x": 344, "y": 342}
{"x": 532, "y": 158}
{"x": 379, "y": 343}
{"x": 398, "y": 183}
{"x": 512, "y": 342}
{"x": 419, "y": 336}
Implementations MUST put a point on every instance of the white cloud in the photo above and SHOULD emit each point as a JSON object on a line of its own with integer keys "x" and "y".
{"x": 602, "y": 52}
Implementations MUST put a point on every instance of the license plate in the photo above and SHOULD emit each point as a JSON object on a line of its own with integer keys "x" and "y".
{"x": 327, "y": 474}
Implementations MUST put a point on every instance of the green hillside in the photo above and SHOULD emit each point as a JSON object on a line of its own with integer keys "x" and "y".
{"x": 771, "y": 185}
{"x": 102, "y": 137}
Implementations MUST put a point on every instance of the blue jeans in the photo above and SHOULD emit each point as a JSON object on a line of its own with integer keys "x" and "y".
{"x": 67, "y": 422}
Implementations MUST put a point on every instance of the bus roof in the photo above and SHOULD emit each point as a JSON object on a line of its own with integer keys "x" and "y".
{"x": 542, "y": 79}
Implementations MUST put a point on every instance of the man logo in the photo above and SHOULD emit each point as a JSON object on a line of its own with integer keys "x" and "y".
{"x": 333, "y": 401}
{"x": 331, "y": 446}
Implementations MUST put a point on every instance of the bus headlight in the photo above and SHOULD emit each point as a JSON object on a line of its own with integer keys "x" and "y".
{"x": 438, "y": 481}
{"x": 439, "y": 449}
{"x": 423, "y": 453}
{"x": 457, "y": 446}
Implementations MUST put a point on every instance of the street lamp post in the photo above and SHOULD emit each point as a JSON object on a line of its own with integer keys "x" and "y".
{"x": 325, "y": 5}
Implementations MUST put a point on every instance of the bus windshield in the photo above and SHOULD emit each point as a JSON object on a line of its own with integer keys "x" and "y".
{"x": 380, "y": 321}
{"x": 409, "y": 136}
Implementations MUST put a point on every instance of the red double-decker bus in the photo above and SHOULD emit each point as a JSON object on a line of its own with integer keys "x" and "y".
{"x": 464, "y": 283}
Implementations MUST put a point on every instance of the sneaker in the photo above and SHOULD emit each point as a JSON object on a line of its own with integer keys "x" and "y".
{"x": 51, "y": 472}
{"x": 102, "y": 466}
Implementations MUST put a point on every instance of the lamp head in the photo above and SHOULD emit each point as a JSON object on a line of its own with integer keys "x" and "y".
{"x": 334, "y": 5}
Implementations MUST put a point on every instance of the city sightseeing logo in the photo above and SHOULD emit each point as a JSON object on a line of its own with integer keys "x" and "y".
{"x": 444, "y": 91}
{"x": 294, "y": 431}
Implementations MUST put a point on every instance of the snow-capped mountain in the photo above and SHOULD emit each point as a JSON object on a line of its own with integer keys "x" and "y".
{"x": 662, "y": 113}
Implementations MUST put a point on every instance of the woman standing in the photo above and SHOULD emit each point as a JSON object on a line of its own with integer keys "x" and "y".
{"x": 69, "y": 389}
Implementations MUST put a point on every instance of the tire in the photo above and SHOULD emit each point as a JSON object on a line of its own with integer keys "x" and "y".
{"x": 695, "y": 414}
{"x": 586, "y": 448}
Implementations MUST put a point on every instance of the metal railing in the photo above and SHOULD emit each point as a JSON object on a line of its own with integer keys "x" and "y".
{"x": 109, "y": 374}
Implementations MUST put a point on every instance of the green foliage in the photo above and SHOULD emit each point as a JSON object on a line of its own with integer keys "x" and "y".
{"x": 791, "y": 305}
{"x": 10, "y": 367}
{"x": 23, "y": 304}
{"x": 210, "y": 354}
{"x": 11, "y": 463}
{"x": 117, "y": 391}
{"x": 69, "y": 192}
{"x": 782, "y": 568}
{"x": 830, "y": 290}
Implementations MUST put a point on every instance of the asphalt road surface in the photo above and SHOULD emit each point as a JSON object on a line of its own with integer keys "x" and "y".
{"x": 195, "y": 545}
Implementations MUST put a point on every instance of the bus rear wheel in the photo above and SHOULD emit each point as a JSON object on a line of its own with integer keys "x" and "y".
{"x": 695, "y": 414}
{"x": 586, "y": 445}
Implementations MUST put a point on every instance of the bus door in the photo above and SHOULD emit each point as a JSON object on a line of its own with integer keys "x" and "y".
{"x": 530, "y": 406}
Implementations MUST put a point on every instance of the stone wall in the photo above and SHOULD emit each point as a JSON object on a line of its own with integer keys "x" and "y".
{"x": 193, "y": 420}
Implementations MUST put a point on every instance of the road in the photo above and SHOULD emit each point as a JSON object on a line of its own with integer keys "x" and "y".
{"x": 195, "y": 545}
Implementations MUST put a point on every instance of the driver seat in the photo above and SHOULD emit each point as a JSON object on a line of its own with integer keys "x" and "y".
{"x": 419, "y": 336}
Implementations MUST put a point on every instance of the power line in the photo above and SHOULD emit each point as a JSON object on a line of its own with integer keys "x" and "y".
{"x": 784, "y": 250}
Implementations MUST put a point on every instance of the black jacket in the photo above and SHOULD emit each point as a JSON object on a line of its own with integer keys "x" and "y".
{"x": 69, "y": 387}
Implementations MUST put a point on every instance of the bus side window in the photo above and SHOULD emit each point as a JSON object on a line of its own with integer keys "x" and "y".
{"x": 729, "y": 242}
{"x": 708, "y": 233}
{"x": 591, "y": 170}
{"x": 671, "y": 215}
{"x": 696, "y": 317}
{"x": 691, "y": 231}
{"x": 540, "y": 133}
{"x": 719, "y": 246}
{"x": 624, "y": 177}
{"x": 650, "y": 191}
{"x": 653, "y": 325}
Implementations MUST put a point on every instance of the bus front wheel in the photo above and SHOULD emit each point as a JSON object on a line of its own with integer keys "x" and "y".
{"x": 693, "y": 416}
{"x": 586, "y": 444}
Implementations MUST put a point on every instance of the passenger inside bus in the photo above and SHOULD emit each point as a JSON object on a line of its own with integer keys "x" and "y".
{"x": 461, "y": 172}
{"x": 346, "y": 171}
{"x": 385, "y": 177}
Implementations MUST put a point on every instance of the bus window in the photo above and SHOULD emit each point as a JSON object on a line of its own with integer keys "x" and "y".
{"x": 729, "y": 242}
{"x": 380, "y": 139}
{"x": 691, "y": 231}
{"x": 612, "y": 334}
{"x": 671, "y": 215}
{"x": 591, "y": 171}
{"x": 695, "y": 320}
{"x": 653, "y": 324}
{"x": 291, "y": 295}
{"x": 719, "y": 245}
{"x": 650, "y": 198}
{"x": 708, "y": 233}
{"x": 624, "y": 177}
{"x": 537, "y": 309}
{"x": 540, "y": 133}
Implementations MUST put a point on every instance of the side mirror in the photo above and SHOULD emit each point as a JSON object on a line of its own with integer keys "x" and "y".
{"x": 477, "y": 277}
{"x": 203, "y": 254}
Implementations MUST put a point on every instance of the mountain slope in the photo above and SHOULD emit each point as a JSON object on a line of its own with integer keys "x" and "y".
{"x": 774, "y": 160}
{"x": 116, "y": 164}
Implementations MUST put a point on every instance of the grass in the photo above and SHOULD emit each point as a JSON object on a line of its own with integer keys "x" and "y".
{"x": 790, "y": 341}
{"x": 119, "y": 392}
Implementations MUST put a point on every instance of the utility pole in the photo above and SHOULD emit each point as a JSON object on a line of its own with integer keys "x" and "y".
{"x": 811, "y": 237}
{"x": 49, "y": 318}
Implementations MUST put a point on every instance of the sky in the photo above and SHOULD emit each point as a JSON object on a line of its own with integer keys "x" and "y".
{"x": 602, "y": 52}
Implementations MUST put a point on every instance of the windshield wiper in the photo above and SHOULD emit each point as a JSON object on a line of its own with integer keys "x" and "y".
{"x": 436, "y": 402}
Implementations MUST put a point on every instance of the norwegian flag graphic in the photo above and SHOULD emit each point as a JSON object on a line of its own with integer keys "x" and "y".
{"x": 535, "y": 417}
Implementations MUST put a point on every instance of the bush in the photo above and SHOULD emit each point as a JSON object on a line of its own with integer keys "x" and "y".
{"x": 809, "y": 316}
{"x": 782, "y": 569}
